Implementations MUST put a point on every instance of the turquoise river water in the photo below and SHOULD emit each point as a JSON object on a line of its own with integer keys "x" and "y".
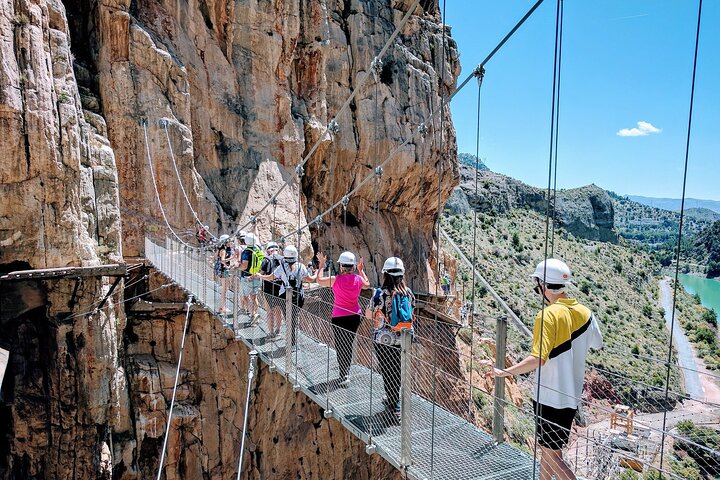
{"x": 708, "y": 289}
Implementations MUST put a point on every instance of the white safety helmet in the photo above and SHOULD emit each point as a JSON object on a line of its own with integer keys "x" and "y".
{"x": 224, "y": 238}
{"x": 347, "y": 259}
{"x": 290, "y": 254}
{"x": 250, "y": 240}
{"x": 394, "y": 266}
{"x": 241, "y": 235}
{"x": 272, "y": 246}
{"x": 552, "y": 272}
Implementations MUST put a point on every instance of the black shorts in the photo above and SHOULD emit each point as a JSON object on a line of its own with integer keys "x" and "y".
{"x": 553, "y": 425}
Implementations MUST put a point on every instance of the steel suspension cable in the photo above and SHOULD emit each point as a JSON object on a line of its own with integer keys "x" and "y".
{"x": 557, "y": 131}
{"x": 348, "y": 101}
{"x": 164, "y": 123}
{"x": 443, "y": 54}
{"x": 250, "y": 377}
{"x": 558, "y": 26}
{"x": 481, "y": 76}
{"x": 157, "y": 192}
{"x": 177, "y": 376}
{"x": 422, "y": 128}
{"x": 680, "y": 227}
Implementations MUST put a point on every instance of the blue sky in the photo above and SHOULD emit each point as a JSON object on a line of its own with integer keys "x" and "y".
{"x": 624, "y": 62}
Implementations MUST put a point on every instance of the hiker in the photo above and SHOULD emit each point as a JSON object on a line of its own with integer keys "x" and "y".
{"x": 392, "y": 312}
{"x": 250, "y": 261}
{"x": 202, "y": 235}
{"x": 271, "y": 288}
{"x": 564, "y": 331}
{"x": 291, "y": 273}
{"x": 346, "y": 313}
{"x": 221, "y": 268}
{"x": 445, "y": 283}
{"x": 465, "y": 312}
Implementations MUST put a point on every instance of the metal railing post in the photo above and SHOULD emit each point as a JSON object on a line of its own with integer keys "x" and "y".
{"x": 499, "y": 399}
{"x": 236, "y": 283}
{"x": 405, "y": 398}
{"x": 288, "y": 330}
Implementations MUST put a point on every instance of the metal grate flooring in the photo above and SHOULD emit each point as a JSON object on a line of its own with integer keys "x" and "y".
{"x": 444, "y": 445}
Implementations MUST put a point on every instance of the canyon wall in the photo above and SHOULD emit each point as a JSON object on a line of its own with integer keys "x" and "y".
{"x": 107, "y": 106}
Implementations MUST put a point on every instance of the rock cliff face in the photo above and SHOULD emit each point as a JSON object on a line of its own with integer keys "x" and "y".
{"x": 223, "y": 98}
{"x": 586, "y": 212}
{"x": 59, "y": 207}
{"x": 246, "y": 89}
{"x": 288, "y": 436}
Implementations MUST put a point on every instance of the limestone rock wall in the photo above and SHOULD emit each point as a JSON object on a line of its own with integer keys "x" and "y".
{"x": 59, "y": 206}
{"x": 288, "y": 436}
{"x": 247, "y": 89}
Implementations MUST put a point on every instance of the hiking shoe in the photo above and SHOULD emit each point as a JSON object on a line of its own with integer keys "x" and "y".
{"x": 345, "y": 382}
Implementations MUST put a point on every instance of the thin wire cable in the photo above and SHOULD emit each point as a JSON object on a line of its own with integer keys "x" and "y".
{"x": 680, "y": 227}
{"x": 558, "y": 25}
{"x": 157, "y": 192}
{"x": 177, "y": 174}
{"x": 557, "y": 131}
{"x": 172, "y": 400}
{"x": 481, "y": 76}
{"x": 348, "y": 101}
{"x": 421, "y": 128}
{"x": 437, "y": 229}
{"x": 251, "y": 375}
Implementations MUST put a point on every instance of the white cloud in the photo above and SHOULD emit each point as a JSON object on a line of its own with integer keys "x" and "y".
{"x": 642, "y": 129}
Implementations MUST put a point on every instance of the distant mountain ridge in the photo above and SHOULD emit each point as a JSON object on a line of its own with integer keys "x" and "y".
{"x": 586, "y": 212}
{"x": 673, "y": 204}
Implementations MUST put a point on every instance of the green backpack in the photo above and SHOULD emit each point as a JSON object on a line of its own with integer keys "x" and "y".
{"x": 257, "y": 258}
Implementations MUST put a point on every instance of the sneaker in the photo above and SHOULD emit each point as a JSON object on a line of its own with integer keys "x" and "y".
{"x": 344, "y": 383}
{"x": 397, "y": 410}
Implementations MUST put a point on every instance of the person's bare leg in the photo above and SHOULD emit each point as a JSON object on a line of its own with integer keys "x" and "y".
{"x": 553, "y": 466}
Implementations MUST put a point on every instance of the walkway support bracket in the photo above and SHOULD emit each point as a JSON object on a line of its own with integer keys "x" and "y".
{"x": 499, "y": 398}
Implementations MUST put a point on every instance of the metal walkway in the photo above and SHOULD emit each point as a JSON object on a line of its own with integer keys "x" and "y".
{"x": 443, "y": 444}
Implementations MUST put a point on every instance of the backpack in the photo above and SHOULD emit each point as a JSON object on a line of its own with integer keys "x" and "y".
{"x": 387, "y": 331}
{"x": 219, "y": 267}
{"x": 298, "y": 293}
{"x": 256, "y": 260}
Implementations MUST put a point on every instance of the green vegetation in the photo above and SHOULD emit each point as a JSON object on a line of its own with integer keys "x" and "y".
{"x": 705, "y": 249}
{"x": 618, "y": 282}
{"x": 697, "y": 453}
{"x": 653, "y": 227}
{"x": 700, "y": 324}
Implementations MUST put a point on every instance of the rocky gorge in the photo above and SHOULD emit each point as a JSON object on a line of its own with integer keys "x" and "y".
{"x": 224, "y": 98}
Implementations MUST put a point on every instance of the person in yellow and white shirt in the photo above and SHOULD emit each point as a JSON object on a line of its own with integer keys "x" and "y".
{"x": 563, "y": 333}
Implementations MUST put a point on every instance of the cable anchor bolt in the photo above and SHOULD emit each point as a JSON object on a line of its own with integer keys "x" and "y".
{"x": 318, "y": 220}
{"x": 479, "y": 72}
{"x": 423, "y": 129}
{"x": 333, "y": 128}
{"x": 253, "y": 219}
{"x": 376, "y": 66}
{"x": 273, "y": 201}
{"x": 345, "y": 201}
{"x": 300, "y": 171}
{"x": 379, "y": 171}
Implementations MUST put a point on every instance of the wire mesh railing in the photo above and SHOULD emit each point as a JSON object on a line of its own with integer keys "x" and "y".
{"x": 428, "y": 406}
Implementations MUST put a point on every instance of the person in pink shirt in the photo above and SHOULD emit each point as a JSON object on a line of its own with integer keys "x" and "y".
{"x": 347, "y": 314}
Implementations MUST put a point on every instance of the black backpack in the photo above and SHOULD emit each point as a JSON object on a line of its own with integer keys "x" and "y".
{"x": 298, "y": 293}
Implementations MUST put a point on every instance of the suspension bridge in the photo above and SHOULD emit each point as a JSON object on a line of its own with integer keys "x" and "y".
{"x": 442, "y": 432}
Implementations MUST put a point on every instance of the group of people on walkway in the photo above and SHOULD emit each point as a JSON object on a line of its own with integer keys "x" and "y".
{"x": 563, "y": 333}
{"x": 242, "y": 260}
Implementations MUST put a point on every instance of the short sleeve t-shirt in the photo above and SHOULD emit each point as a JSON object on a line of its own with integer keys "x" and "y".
{"x": 569, "y": 330}
{"x": 347, "y": 289}
{"x": 284, "y": 271}
{"x": 246, "y": 256}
